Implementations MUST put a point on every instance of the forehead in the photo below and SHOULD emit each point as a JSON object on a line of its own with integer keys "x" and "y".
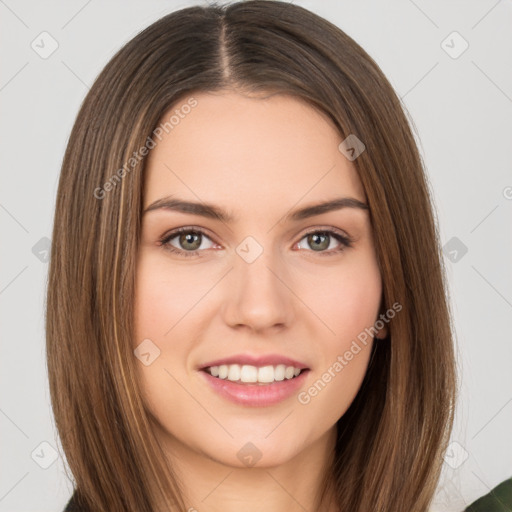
{"x": 249, "y": 152}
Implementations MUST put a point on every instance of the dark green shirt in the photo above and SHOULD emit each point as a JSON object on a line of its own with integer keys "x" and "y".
{"x": 498, "y": 499}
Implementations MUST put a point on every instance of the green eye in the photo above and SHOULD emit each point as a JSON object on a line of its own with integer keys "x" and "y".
{"x": 190, "y": 241}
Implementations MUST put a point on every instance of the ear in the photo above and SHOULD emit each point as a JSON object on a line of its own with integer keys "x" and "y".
{"x": 381, "y": 324}
{"x": 382, "y": 333}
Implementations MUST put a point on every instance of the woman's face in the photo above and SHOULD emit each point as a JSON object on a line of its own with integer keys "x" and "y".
{"x": 264, "y": 288}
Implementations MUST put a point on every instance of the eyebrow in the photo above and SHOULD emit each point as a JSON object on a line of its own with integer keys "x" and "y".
{"x": 212, "y": 211}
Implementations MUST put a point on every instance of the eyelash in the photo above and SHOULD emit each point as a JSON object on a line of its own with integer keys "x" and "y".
{"x": 346, "y": 242}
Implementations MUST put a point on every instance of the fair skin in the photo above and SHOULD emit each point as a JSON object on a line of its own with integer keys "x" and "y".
{"x": 259, "y": 159}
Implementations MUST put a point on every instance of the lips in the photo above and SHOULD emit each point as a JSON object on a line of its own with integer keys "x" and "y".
{"x": 255, "y": 380}
{"x": 256, "y": 395}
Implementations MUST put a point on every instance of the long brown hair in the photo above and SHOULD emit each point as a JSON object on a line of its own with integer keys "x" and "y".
{"x": 391, "y": 440}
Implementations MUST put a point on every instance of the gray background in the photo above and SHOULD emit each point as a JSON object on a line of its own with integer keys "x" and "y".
{"x": 462, "y": 109}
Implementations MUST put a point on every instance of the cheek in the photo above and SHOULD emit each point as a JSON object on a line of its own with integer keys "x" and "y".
{"x": 349, "y": 300}
{"x": 163, "y": 295}
{"x": 346, "y": 348}
{"x": 161, "y": 299}
{"x": 334, "y": 387}
{"x": 348, "y": 309}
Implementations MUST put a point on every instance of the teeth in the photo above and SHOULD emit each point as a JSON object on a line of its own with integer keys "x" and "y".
{"x": 248, "y": 373}
{"x": 223, "y": 371}
{"x": 234, "y": 372}
{"x": 288, "y": 373}
{"x": 266, "y": 374}
{"x": 279, "y": 372}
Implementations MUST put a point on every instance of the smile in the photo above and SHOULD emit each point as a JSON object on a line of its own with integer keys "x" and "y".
{"x": 255, "y": 386}
{"x": 252, "y": 374}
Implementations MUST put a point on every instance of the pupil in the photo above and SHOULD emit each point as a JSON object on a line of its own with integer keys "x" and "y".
{"x": 189, "y": 238}
{"x": 316, "y": 236}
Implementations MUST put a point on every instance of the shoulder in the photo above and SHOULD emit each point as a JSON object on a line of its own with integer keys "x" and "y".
{"x": 498, "y": 500}
{"x": 73, "y": 504}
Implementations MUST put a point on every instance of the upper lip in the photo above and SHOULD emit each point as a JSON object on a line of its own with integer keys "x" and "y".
{"x": 263, "y": 360}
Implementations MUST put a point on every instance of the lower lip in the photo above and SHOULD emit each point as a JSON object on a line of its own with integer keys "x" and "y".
{"x": 254, "y": 394}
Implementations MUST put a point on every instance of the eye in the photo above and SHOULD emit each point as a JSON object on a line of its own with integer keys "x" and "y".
{"x": 320, "y": 240}
{"x": 189, "y": 241}
{"x": 188, "y": 238}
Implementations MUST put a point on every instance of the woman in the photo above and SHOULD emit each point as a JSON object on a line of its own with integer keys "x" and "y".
{"x": 246, "y": 301}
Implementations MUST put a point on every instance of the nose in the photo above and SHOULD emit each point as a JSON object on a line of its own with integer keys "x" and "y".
{"x": 258, "y": 295}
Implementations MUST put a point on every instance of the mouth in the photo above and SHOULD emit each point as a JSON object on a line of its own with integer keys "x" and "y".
{"x": 254, "y": 386}
{"x": 249, "y": 374}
